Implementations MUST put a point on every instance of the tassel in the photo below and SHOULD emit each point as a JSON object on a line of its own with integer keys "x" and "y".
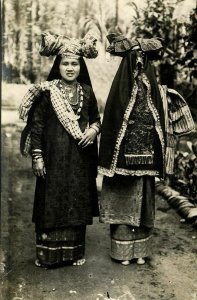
{"x": 169, "y": 160}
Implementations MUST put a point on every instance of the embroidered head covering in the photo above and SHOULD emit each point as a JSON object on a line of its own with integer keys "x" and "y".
{"x": 120, "y": 45}
{"x": 53, "y": 44}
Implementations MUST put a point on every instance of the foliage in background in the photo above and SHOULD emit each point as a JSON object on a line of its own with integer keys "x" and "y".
{"x": 157, "y": 19}
{"x": 184, "y": 179}
{"x": 190, "y": 58}
{"x": 24, "y": 21}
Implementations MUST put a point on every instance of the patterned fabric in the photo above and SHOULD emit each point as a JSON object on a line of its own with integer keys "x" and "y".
{"x": 128, "y": 200}
{"x": 178, "y": 121}
{"x": 53, "y": 44}
{"x": 128, "y": 242}
{"x": 62, "y": 108}
{"x": 59, "y": 246}
{"x": 139, "y": 136}
{"x": 182, "y": 121}
{"x": 120, "y": 45}
{"x": 32, "y": 94}
{"x": 153, "y": 115}
{"x": 118, "y": 110}
{"x": 65, "y": 113}
{"x": 121, "y": 200}
{"x": 152, "y": 44}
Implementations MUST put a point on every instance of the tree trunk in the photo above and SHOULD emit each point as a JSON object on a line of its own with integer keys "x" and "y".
{"x": 117, "y": 16}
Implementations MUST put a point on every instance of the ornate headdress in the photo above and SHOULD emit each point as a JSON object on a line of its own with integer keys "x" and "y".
{"x": 119, "y": 45}
{"x": 53, "y": 44}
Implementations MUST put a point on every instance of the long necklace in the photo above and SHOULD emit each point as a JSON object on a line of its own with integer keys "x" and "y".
{"x": 68, "y": 95}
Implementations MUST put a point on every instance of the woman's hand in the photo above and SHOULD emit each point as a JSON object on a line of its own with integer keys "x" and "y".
{"x": 39, "y": 167}
{"x": 88, "y": 138}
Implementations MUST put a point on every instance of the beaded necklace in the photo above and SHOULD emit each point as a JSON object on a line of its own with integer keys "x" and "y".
{"x": 68, "y": 94}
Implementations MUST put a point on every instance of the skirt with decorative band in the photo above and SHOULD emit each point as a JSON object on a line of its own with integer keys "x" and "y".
{"x": 62, "y": 245}
{"x": 129, "y": 242}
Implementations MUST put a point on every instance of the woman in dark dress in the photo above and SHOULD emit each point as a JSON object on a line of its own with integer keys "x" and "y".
{"x": 63, "y": 122}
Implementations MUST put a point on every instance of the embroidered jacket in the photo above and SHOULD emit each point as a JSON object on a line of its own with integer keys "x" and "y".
{"x": 146, "y": 146}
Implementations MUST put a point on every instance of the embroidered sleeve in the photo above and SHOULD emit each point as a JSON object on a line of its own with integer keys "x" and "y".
{"x": 180, "y": 115}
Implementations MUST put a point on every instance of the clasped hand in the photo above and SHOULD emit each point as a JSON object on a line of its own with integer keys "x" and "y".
{"x": 39, "y": 167}
{"x": 88, "y": 138}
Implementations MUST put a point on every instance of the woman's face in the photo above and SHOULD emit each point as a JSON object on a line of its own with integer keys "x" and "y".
{"x": 69, "y": 68}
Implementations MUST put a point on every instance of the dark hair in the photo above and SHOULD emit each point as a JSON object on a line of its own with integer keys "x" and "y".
{"x": 83, "y": 74}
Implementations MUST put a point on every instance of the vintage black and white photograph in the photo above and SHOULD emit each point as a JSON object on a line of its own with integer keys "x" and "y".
{"x": 99, "y": 150}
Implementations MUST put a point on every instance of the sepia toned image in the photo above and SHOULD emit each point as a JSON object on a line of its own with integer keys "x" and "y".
{"x": 99, "y": 150}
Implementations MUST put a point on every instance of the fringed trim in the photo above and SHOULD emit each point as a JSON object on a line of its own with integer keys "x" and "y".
{"x": 156, "y": 117}
{"x": 169, "y": 162}
{"x": 122, "y": 131}
{"x": 126, "y": 172}
{"x": 138, "y": 159}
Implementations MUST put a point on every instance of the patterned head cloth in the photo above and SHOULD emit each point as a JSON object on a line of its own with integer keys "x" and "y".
{"x": 120, "y": 45}
{"x": 53, "y": 44}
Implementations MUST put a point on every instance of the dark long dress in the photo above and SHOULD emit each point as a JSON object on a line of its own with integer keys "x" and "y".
{"x": 66, "y": 200}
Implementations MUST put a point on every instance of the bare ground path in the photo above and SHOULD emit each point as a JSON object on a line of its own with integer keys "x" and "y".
{"x": 171, "y": 272}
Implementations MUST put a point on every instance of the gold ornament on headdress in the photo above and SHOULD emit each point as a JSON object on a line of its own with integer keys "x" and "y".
{"x": 53, "y": 44}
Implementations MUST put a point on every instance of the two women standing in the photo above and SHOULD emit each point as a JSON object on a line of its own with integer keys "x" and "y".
{"x": 63, "y": 122}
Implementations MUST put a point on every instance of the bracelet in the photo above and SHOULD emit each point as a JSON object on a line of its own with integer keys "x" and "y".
{"x": 95, "y": 127}
{"x": 37, "y": 157}
{"x": 36, "y": 154}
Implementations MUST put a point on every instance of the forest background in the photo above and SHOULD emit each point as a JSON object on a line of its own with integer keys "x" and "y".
{"x": 23, "y": 21}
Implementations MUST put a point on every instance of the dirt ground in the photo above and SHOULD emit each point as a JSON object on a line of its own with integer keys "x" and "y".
{"x": 171, "y": 272}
